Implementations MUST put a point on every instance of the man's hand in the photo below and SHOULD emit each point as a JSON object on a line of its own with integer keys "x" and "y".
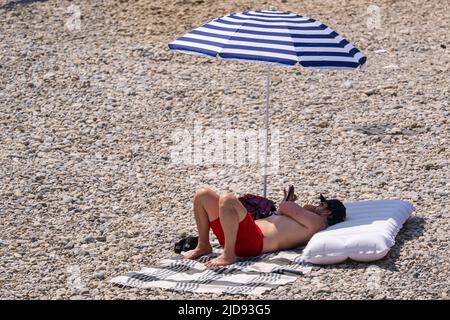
{"x": 293, "y": 196}
{"x": 285, "y": 208}
{"x": 310, "y": 220}
{"x": 282, "y": 205}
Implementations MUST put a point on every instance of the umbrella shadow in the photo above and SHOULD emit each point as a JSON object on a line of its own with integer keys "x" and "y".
{"x": 412, "y": 229}
{"x": 375, "y": 129}
{"x": 383, "y": 129}
{"x": 13, "y": 4}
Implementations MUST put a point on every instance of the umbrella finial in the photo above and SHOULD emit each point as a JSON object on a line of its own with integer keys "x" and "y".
{"x": 273, "y": 8}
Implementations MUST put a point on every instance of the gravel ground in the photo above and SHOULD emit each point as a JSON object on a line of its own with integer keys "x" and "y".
{"x": 90, "y": 98}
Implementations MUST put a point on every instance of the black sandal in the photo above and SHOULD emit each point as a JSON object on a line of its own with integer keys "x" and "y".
{"x": 186, "y": 244}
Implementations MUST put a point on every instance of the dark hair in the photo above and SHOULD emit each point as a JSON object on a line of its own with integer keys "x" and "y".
{"x": 338, "y": 212}
{"x": 337, "y": 208}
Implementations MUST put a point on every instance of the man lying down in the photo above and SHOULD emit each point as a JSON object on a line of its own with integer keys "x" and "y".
{"x": 242, "y": 236}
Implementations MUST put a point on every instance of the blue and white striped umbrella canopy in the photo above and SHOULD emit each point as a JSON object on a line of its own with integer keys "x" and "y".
{"x": 270, "y": 36}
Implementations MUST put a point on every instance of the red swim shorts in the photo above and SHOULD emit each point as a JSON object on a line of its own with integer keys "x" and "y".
{"x": 249, "y": 241}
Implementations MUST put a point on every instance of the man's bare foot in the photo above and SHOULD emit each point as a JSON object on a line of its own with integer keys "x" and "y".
{"x": 220, "y": 261}
{"x": 198, "y": 252}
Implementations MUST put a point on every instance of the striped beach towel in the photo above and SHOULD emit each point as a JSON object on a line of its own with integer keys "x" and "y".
{"x": 248, "y": 276}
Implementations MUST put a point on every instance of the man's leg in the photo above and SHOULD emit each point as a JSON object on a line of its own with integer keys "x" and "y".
{"x": 206, "y": 209}
{"x": 231, "y": 213}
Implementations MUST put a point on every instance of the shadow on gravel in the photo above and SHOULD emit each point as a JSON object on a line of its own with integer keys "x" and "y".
{"x": 13, "y": 4}
{"x": 377, "y": 129}
{"x": 384, "y": 129}
{"x": 412, "y": 229}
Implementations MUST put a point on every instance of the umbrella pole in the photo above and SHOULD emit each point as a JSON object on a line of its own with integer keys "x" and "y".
{"x": 266, "y": 124}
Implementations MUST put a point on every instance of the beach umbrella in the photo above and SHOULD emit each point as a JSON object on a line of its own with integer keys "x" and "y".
{"x": 275, "y": 38}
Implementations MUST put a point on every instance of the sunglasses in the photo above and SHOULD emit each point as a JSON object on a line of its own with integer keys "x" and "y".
{"x": 322, "y": 199}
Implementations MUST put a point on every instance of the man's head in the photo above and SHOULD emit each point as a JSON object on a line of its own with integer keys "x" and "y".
{"x": 333, "y": 209}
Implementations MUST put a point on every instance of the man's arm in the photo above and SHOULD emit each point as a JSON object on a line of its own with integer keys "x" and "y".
{"x": 305, "y": 217}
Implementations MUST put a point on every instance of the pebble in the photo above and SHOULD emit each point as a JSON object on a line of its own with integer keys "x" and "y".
{"x": 101, "y": 238}
{"x": 371, "y": 91}
{"x": 89, "y": 239}
{"x": 49, "y": 76}
{"x": 348, "y": 84}
{"x": 81, "y": 252}
{"x": 69, "y": 246}
{"x": 100, "y": 275}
